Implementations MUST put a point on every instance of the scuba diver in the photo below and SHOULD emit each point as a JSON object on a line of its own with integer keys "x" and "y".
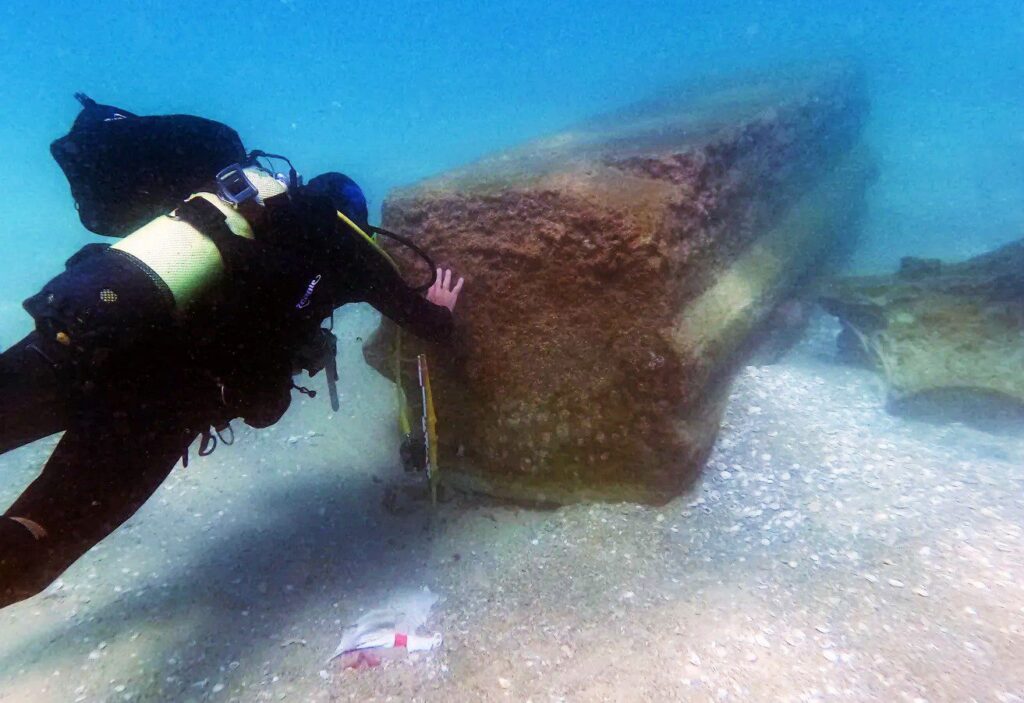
{"x": 202, "y": 313}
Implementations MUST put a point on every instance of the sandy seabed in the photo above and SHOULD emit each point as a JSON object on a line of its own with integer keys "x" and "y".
{"x": 830, "y": 552}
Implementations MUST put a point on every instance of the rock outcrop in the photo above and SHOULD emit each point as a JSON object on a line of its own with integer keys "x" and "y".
{"x": 618, "y": 272}
{"x": 945, "y": 332}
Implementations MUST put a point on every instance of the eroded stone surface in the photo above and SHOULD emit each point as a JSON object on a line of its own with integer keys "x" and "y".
{"x": 618, "y": 271}
{"x": 948, "y": 333}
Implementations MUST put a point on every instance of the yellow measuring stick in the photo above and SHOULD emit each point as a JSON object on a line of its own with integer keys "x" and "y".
{"x": 429, "y": 426}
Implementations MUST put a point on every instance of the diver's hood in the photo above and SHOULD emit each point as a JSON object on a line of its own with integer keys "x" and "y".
{"x": 124, "y": 169}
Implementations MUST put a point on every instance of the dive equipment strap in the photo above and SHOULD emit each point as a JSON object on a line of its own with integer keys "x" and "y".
{"x": 206, "y": 218}
{"x": 320, "y": 353}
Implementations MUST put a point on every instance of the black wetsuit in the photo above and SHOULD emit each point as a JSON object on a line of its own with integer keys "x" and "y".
{"x": 128, "y": 424}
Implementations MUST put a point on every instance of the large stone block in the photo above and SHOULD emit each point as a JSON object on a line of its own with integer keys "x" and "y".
{"x": 945, "y": 336}
{"x": 618, "y": 271}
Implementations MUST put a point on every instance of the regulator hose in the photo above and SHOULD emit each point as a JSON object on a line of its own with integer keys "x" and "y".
{"x": 404, "y": 241}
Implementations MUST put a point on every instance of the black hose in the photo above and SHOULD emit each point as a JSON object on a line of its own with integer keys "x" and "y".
{"x": 293, "y": 175}
{"x": 419, "y": 252}
{"x": 293, "y": 179}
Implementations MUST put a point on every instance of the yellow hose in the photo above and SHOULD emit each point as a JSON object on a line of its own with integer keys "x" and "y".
{"x": 404, "y": 424}
{"x": 370, "y": 240}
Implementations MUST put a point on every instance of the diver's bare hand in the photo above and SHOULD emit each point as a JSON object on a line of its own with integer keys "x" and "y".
{"x": 442, "y": 293}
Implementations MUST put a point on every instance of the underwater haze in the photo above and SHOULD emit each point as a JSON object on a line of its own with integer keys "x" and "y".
{"x": 788, "y": 486}
{"x": 392, "y": 91}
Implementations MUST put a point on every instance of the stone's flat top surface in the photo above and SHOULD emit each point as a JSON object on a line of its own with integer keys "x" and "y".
{"x": 687, "y": 116}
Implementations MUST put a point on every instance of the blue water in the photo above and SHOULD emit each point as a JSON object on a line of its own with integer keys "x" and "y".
{"x": 395, "y": 90}
{"x": 246, "y": 566}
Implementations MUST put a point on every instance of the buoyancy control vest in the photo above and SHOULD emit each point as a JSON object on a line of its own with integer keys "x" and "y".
{"x": 154, "y": 275}
{"x": 267, "y": 258}
{"x": 125, "y": 169}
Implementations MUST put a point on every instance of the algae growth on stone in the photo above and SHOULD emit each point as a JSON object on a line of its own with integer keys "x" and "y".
{"x": 940, "y": 330}
{"x": 620, "y": 271}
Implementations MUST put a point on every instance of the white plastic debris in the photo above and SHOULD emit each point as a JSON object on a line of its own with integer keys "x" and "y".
{"x": 392, "y": 627}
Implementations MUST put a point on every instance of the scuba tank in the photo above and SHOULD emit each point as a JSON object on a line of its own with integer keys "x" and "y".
{"x": 129, "y": 176}
{"x": 141, "y": 309}
{"x": 109, "y": 296}
{"x": 185, "y": 259}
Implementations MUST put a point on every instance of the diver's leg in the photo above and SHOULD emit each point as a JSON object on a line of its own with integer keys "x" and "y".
{"x": 93, "y": 482}
{"x": 32, "y": 402}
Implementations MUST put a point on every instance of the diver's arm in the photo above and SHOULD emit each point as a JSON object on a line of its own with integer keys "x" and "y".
{"x": 384, "y": 289}
{"x": 410, "y": 310}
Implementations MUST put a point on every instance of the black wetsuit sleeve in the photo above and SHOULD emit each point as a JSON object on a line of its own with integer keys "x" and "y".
{"x": 381, "y": 286}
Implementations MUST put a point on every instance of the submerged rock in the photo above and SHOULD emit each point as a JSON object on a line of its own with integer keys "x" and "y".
{"x": 617, "y": 274}
{"x": 949, "y": 338}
